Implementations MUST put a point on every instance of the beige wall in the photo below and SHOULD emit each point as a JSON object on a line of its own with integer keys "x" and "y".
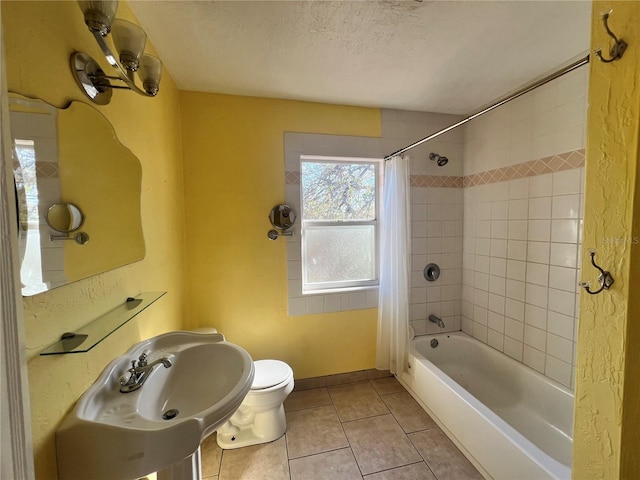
{"x": 39, "y": 38}
{"x": 234, "y": 175}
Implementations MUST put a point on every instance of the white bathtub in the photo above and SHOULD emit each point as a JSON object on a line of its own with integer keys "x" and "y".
{"x": 512, "y": 422}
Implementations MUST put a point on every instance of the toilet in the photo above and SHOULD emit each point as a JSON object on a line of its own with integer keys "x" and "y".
{"x": 260, "y": 418}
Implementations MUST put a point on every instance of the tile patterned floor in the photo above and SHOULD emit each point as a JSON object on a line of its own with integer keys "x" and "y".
{"x": 369, "y": 430}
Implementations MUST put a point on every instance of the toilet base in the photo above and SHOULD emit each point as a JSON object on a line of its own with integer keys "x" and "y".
{"x": 247, "y": 428}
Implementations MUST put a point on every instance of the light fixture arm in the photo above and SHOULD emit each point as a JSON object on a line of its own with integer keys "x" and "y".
{"x": 129, "y": 42}
{"x": 124, "y": 75}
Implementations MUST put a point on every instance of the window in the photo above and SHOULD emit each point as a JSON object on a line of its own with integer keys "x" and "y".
{"x": 340, "y": 204}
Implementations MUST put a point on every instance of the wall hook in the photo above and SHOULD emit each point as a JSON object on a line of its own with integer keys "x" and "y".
{"x": 619, "y": 46}
{"x": 604, "y": 279}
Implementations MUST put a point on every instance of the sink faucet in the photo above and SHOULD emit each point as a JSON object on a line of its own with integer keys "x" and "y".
{"x": 140, "y": 372}
{"x": 437, "y": 320}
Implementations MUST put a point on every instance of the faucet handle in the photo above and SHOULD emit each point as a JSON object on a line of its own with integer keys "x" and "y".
{"x": 142, "y": 359}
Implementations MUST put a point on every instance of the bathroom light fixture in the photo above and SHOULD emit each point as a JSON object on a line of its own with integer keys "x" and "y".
{"x": 129, "y": 41}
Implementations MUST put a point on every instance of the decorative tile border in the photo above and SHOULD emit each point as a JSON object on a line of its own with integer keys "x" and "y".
{"x": 436, "y": 181}
{"x": 555, "y": 163}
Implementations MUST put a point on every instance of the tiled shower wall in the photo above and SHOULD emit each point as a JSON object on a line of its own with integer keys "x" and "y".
{"x": 523, "y": 198}
{"x": 436, "y": 199}
{"x": 502, "y": 220}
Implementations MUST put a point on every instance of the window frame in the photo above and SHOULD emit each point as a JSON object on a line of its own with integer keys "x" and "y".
{"x": 351, "y": 285}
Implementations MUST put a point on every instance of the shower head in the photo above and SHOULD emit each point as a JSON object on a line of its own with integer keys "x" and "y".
{"x": 440, "y": 160}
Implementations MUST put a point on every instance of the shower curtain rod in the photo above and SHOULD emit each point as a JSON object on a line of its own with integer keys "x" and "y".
{"x": 522, "y": 91}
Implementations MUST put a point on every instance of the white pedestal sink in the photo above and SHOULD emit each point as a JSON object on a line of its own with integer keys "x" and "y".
{"x": 111, "y": 435}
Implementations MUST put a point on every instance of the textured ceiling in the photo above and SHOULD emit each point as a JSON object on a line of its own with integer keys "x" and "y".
{"x": 438, "y": 56}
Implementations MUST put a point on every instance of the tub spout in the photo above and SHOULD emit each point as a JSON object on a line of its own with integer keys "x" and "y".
{"x": 437, "y": 320}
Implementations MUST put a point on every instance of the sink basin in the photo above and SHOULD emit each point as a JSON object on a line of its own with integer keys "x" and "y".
{"x": 112, "y": 435}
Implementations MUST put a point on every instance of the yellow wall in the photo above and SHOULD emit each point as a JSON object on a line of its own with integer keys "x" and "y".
{"x": 607, "y": 417}
{"x": 39, "y": 38}
{"x": 234, "y": 175}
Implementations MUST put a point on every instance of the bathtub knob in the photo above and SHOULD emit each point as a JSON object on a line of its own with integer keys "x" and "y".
{"x": 431, "y": 272}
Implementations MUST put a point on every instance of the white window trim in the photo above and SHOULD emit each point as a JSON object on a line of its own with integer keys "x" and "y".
{"x": 345, "y": 286}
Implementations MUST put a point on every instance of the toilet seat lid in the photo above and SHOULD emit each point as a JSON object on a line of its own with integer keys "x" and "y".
{"x": 269, "y": 373}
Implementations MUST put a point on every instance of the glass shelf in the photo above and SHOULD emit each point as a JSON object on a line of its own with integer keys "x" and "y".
{"x": 87, "y": 337}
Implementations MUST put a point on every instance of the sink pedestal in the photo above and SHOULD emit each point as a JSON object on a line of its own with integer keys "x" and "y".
{"x": 188, "y": 469}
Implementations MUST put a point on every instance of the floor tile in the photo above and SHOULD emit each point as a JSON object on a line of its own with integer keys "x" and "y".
{"x": 210, "y": 454}
{"x": 316, "y": 397}
{"x": 378, "y": 443}
{"x": 387, "y": 385}
{"x": 267, "y": 461}
{"x": 314, "y": 430}
{"x": 442, "y": 456}
{"x": 407, "y": 412}
{"x": 355, "y": 401}
{"x": 335, "y": 465}
{"x": 416, "y": 471}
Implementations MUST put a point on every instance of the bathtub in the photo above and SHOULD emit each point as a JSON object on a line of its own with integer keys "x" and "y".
{"x": 511, "y": 421}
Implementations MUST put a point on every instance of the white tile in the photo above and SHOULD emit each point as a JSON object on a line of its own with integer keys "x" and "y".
{"x": 563, "y": 254}
{"x": 481, "y": 281}
{"x": 314, "y": 304}
{"x": 516, "y": 250}
{"x": 558, "y": 370}
{"x": 495, "y": 321}
{"x": 499, "y": 248}
{"x": 539, "y": 230}
{"x": 536, "y": 295}
{"x": 483, "y": 246}
{"x": 513, "y": 348}
{"x": 480, "y": 315}
{"x": 519, "y": 188}
{"x": 540, "y": 208}
{"x": 498, "y": 266}
{"x": 514, "y": 309}
{"x": 500, "y": 209}
{"x": 499, "y": 229}
{"x": 332, "y": 303}
{"x": 567, "y": 182}
{"x": 560, "y": 348}
{"x": 516, "y": 270}
{"x": 566, "y": 206}
{"x": 541, "y": 185}
{"x": 564, "y": 231}
{"x": 538, "y": 252}
{"x": 518, "y": 209}
{"x": 534, "y": 358}
{"x": 515, "y": 290}
{"x": 482, "y": 263}
{"x": 562, "y": 278}
{"x": 495, "y": 339}
{"x": 517, "y": 230}
{"x": 514, "y": 329}
{"x": 535, "y": 316}
{"x": 480, "y": 332}
{"x": 297, "y": 307}
{"x": 497, "y": 285}
{"x": 480, "y": 298}
{"x": 538, "y": 274}
{"x": 496, "y": 303}
{"x": 535, "y": 337}
{"x": 561, "y": 302}
{"x": 561, "y": 325}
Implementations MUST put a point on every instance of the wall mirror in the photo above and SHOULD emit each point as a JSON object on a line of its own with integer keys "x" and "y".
{"x": 74, "y": 181}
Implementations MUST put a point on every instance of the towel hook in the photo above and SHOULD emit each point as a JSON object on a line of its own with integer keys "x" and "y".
{"x": 604, "y": 279}
{"x": 619, "y": 46}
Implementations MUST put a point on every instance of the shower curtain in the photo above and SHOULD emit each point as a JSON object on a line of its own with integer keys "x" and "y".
{"x": 393, "y": 302}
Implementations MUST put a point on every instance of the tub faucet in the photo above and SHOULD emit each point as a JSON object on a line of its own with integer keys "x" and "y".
{"x": 139, "y": 373}
{"x": 437, "y": 320}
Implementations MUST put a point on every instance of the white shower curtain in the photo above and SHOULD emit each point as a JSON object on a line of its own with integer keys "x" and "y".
{"x": 393, "y": 303}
